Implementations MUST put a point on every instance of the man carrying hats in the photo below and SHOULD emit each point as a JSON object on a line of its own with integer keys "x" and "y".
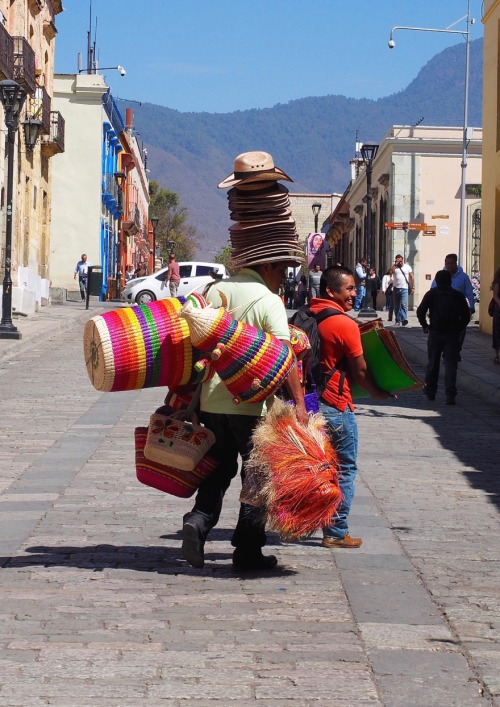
{"x": 264, "y": 245}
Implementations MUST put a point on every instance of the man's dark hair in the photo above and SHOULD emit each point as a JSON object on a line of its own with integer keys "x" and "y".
{"x": 443, "y": 278}
{"x": 453, "y": 256}
{"x": 332, "y": 278}
{"x": 398, "y": 256}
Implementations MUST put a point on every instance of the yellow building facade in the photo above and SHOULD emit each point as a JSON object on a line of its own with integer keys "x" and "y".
{"x": 27, "y": 40}
{"x": 490, "y": 248}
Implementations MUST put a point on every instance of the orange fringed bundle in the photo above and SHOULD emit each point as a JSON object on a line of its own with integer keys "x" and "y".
{"x": 293, "y": 473}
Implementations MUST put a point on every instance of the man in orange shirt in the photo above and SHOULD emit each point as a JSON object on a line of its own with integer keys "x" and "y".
{"x": 341, "y": 348}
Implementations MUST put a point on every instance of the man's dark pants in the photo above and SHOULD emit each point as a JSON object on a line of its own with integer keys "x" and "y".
{"x": 233, "y": 434}
{"x": 446, "y": 344}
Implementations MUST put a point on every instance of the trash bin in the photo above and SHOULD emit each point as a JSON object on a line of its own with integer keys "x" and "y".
{"x": 94, "y": 282}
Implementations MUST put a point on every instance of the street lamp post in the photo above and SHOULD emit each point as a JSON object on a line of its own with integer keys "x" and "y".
{"x": 465, "y": 137}
{"x": 368, "y": 153}
{"x": 154, "y": 223}
{"x": 316, "y": 208}
{"x": 12, "y": 96}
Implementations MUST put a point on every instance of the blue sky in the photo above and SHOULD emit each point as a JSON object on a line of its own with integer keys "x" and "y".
{"x": 221, "y": 56}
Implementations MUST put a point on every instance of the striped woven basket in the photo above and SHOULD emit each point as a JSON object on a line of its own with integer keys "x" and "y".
{"x": 252, "y": 364}
{"x": 165, "y": 478}
{"x": 142, "y": 347}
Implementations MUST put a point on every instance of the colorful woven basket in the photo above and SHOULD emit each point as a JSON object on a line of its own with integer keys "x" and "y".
{"x": 173, "y": 440}
{"x": 252, "y": 364}
{"x": 142, "y": 347}
{"x": 165, "y": 478}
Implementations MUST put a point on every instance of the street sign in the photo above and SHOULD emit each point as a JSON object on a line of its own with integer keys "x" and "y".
{"x": 396, "y": 225}
{"x": 405, "y": 225}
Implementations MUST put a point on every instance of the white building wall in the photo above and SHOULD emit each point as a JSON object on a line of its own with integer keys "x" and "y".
{"x": 76, "y": 178}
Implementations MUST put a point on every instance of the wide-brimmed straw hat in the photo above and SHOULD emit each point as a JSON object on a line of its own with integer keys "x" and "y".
{"x": 252, "y": 167}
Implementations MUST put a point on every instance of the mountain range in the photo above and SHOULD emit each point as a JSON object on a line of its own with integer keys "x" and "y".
{"x": 312, "y": 139}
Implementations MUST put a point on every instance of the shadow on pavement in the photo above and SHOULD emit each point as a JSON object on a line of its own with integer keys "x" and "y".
{"x": 471, "y": 438}
{"x": 162, "y": 560}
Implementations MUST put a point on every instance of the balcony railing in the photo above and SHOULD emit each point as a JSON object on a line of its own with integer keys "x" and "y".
{"x": 24, "y": 64}
{"x": 6, "y": 54}
{"x": 38, "y": 108}
{"x": 54, "y": 143}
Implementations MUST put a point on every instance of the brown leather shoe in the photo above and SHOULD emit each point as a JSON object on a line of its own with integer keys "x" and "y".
{"x": 342, "y": 542}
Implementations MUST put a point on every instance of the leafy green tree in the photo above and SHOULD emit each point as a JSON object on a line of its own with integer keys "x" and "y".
{"x": 224, "y": 257}
{"x": 173, "y": 232}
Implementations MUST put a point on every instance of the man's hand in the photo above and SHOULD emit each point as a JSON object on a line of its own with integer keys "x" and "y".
{"x": 425, "y": 329}
{"x": 301, "y": 413}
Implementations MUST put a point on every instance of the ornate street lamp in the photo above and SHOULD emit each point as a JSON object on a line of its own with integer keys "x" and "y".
{"x": 368, "y": 153}
{"x": 316, "y": 208}
{"x": 32, "y": 129}
{"x": 120, "y": 179}
{"x": 12, "y": 96}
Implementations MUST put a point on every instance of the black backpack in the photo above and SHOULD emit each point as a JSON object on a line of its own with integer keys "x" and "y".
{"x": 316, "y": 378}
{"x": 446, "y": 315}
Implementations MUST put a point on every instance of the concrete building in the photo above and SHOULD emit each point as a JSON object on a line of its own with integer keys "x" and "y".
{"x": 415, "y": 179}
{"x": 490, "y": 250}
{"x": 27, "y": 38}
{"x": 98, "y": 207}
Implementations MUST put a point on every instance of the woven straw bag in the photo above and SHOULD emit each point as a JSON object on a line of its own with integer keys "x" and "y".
{"x": 143, "y": 347}
{"x": 252, "y": 363}
{"x": 176, "y": 440}
{"x": 176, "y": 482}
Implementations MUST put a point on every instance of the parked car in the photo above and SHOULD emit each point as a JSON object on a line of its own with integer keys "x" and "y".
{"x": 153, "y": 287}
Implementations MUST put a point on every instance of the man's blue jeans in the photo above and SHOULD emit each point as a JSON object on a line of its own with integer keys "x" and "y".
{"x": 343, "y": 432}
{"x": 400, "y": 299}
{"x": 360, "y": 297}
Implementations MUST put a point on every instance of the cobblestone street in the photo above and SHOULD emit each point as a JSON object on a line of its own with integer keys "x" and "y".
{"x": 99, "y": 608}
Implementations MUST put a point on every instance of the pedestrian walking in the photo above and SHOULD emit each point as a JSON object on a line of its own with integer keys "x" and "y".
{"x": 449, "y": 314}
{"x": 314, "y": 280}
{"x": 495, "y": 287}
{"x": 81, "y": 271}
{"x": 374, "y": 286}
{"x": 459, "y": 281}
{"x": 290, "y": 285}
{"x": 302, "y": 291}
{"x": 341, "y": 348}
{"x": 360, "y": 282}
{"x": 173, "y": 275}
{"x": 387, "y": 290}
{"x": 403, "y": 286}
{"x": 253, "y": 294}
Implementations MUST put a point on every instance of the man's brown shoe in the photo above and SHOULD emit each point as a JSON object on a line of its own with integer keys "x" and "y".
{"x": 342, "y": 542}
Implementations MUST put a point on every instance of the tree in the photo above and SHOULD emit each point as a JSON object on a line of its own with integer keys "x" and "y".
{"x": 173, "y": 233}
{"x": 224, "y": 257}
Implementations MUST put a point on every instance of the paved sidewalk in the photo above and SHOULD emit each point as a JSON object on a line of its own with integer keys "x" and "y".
{"x": 98, "y": 607}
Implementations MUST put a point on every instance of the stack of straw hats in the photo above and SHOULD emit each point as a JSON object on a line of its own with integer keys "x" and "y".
{"x": 264, "y": 231}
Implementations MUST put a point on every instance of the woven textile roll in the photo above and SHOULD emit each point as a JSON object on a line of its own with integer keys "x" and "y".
{"x": 142, "y": 347}
{"x": 165, "y": 478}
{"x": 251, "y": 363}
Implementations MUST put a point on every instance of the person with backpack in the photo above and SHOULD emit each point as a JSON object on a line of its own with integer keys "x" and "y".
{"x": 459, "y": 281}
{"x": 341, "y": 359}
{"x": 449, "y": 314}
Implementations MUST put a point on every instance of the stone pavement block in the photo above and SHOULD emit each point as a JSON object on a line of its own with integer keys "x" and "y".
{"x": 191, "y": 691}
{"x": 424, "y": 679}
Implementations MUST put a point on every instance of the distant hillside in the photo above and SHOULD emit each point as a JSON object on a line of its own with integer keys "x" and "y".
{"x": 311, "y": 138}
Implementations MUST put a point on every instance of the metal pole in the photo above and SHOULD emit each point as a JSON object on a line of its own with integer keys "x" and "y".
{"x": 7, "y": 328}
{"x": 462, "y": 231}
{"x": 367, "y": 310}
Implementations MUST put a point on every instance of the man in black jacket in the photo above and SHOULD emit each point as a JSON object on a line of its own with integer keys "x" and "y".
{"x": 449, "y": 314}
